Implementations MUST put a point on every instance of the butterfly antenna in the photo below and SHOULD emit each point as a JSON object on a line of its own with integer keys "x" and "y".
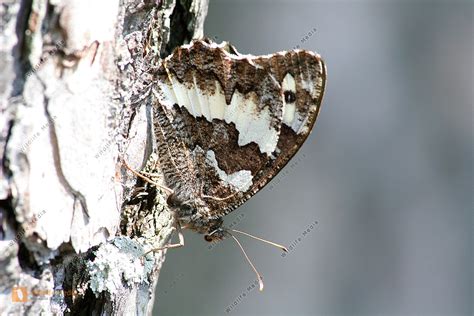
{"x": 263, "y": 240}
{"x": 259, "y": 277}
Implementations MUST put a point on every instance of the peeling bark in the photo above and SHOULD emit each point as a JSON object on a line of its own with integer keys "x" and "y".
{"x": 74, "y": 101}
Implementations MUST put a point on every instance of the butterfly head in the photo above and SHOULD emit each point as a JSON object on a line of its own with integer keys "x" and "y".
{"x": 215, "y": 235}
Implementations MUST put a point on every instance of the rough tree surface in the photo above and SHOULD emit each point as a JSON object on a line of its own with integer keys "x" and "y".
{"x": 74, "y": 223}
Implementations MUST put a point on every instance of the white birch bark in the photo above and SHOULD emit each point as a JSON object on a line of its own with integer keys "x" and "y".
{"x": 73, "y": 83}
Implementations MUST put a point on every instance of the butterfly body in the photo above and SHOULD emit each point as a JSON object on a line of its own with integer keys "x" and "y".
{"x": 226, "y": 123}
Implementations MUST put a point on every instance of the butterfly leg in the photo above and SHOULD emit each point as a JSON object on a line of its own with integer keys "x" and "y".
{"x": 140, "y": 175}
{"x": 149, "y": 174}
{"x": 218, "y": 198}
{"x": 169, "y": 246}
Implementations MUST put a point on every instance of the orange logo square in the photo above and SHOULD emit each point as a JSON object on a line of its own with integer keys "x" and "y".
{"x": 19, "y": 294}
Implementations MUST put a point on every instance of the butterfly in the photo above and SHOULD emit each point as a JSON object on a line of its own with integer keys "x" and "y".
{"x": 226, "y": 123}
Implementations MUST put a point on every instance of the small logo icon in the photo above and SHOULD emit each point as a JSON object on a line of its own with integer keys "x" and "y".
{"x": 19, "y": 294}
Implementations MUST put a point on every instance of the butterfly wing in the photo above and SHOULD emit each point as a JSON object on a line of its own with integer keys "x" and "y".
{"x": 241, "y": 118}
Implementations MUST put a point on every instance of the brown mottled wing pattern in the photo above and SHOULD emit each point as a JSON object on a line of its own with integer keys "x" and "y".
{"x": 240, "y": 117}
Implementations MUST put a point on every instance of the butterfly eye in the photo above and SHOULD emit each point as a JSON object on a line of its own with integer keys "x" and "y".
{"x": 290, "y": 96}
{"x": 186, "y": 207}
{"x": 208, "y": 238}
{"x": 173, "y": 200}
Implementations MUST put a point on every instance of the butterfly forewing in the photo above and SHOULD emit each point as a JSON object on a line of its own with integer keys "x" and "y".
{"x": 238, "y": 118}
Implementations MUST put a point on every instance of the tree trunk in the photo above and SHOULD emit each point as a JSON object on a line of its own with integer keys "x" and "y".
{"x": 74, "y": 83}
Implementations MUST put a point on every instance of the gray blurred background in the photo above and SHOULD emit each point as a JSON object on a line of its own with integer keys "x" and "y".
{"x": 387, "y": 172}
